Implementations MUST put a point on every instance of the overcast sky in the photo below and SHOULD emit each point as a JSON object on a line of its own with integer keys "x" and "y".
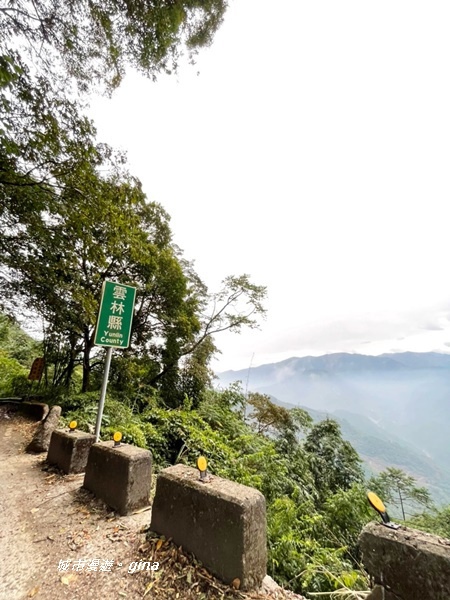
{"x": 310, "y": 148}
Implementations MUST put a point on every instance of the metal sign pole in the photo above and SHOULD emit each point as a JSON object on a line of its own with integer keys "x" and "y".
{"x": 101, "y": 403}
{"x": 113, "y": 330}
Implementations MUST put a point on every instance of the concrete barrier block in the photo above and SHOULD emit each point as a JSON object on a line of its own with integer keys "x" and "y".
{"x": 119, "y": 475}
{"x": 221, "y": 522}
{"x": 407, "y": 564}
{"x": 380, "y": 593}
{"x": 69, "y": 450}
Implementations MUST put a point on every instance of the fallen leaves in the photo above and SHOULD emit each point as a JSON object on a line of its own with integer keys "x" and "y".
{"x": 78, "y": 539}
{"x": 32, "y": 593}
{"x": 150, "y": 586}
{"x": 236, "y": 583}
{"x": 44, "y": 539}
{"x": 141, "y": 510}
{"x": 68, "y": 579}
{"x": 180, "y": 575}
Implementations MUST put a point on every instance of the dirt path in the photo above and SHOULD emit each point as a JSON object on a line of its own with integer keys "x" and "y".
{"x": 57, "y": 541}
{"x": 46, "y": 518}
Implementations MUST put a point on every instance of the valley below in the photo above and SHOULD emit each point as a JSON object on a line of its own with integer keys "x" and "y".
{"x": 393, "y": 408}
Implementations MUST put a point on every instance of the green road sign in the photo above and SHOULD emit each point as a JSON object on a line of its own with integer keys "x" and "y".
{"x": 115, "y": 315}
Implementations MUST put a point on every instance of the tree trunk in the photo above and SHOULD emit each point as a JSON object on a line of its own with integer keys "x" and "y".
{"x": 69, "y": 369}
{"x": 86, "y": 361}
{"x": 401, "y": 503}
{"x": 43, "y": 434}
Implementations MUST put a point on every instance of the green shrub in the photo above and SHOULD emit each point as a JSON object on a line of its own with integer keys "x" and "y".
{"x": 13, "y": 376}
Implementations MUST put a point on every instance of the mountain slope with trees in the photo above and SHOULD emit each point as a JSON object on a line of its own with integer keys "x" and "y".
{"x": 394, "y": 407}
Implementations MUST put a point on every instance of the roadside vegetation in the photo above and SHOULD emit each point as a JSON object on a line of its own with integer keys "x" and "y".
{"x": 311, "y": 477}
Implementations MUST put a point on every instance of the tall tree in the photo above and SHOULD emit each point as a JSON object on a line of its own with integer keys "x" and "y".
{"x": 268, "y": 416}
{"x": 70, "y": 213}
{"x": 94, "y": 40}
{"x": 102, "y": 227}
{"x": 399, "y": 489}
{"x": 334, "y": 462}
{"x": 57, "y": 266}
{"x": 44, "y": 45}
{"x": 44, "y": 145}
{"x": 196, "y": 374}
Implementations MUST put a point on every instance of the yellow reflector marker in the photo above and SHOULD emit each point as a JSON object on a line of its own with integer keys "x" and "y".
{"x": 201, "y": 464}
{"x": 376, "y": 502}
{"x": 73, "y": 425}
{"x": 117, "y": 437}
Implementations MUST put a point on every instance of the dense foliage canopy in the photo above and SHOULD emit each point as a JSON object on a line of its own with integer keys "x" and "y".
{"x": 94, "y": 41}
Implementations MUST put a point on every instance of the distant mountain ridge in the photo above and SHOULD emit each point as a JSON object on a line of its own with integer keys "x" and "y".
{"x": 397, "y": 403}
{"x": 340, "y": 361}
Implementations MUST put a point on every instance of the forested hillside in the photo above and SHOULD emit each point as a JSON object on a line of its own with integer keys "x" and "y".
{"x": 393, "y": 408}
